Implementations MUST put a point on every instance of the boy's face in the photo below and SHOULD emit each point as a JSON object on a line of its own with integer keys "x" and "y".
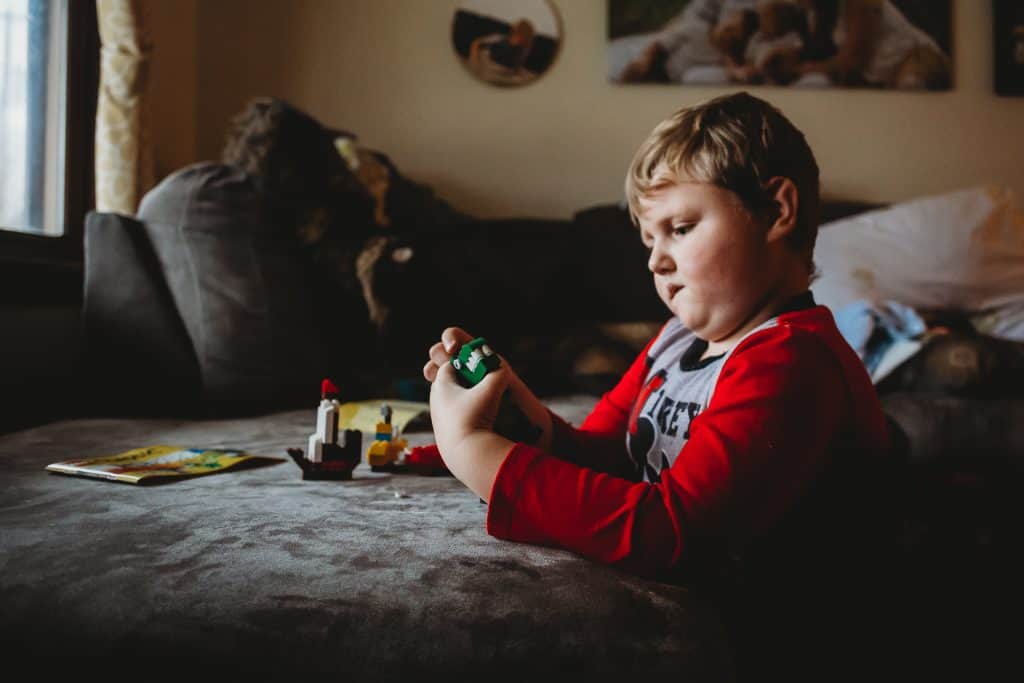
{"x": 708, "y": 254}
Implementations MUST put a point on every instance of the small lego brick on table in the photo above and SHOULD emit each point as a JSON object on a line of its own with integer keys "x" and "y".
{"x": 325, "y": 457}
{"x": 426, "y": 461}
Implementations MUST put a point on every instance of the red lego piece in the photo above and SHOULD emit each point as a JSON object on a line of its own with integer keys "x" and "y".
{"x": 328, "y": 389}
{"x": 426, "y": 460}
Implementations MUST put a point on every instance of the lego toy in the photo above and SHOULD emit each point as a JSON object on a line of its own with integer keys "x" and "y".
{"x": 387, "y": 452}
{"x": 426, "y": 461}
{"x": 472, "y": 363}
{"x": 325, "y": 458}
{"x": 326, "y": 423}
{"x": 474, "y": 360}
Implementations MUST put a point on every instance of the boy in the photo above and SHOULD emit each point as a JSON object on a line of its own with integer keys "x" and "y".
{"x": 741, "y": 425}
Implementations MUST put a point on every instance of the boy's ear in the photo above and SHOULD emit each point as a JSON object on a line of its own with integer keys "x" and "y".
{"x": 784, "y": 200}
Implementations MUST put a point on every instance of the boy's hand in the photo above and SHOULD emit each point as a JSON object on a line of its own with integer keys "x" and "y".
{"x": 463, "y": 421}
{"x": 440, "y": 353}
{"x": 463, "y": 418}
{"x": 452, "y": 340}
{"x": 457, "y": 412}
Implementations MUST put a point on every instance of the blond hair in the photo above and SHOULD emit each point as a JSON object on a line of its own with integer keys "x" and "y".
{"x": 737, "y": 142}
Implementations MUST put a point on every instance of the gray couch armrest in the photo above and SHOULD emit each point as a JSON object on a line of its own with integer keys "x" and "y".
{"x": 135, "y": 343}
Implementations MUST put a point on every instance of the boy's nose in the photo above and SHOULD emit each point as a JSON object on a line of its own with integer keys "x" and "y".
{"x": 659, "y": 262}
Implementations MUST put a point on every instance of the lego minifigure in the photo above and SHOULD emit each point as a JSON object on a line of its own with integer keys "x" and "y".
{"x": 387, "y": 452}
{"x": 325, "y": 458}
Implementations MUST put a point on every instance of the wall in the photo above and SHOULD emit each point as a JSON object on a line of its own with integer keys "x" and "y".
{"x": 385, "y": 70}
{"x": 172, "y": 82}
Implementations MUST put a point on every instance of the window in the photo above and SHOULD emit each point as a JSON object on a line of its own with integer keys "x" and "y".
{"x": 48, "y": 67}
{"x": 32, "y": 44}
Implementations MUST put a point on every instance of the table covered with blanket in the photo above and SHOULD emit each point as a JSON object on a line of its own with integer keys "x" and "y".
{"x": 377, "y": 578}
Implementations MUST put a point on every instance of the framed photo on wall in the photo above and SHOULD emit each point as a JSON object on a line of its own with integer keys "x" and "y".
{"x": 880, "y": 44}
{"x": 1008, "y": 39}
{"x": 506, "y": 42}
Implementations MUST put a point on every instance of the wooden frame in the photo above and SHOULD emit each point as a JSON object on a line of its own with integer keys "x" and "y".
{"x": 1008, "y": 43}
{"x": 877, "y": 44}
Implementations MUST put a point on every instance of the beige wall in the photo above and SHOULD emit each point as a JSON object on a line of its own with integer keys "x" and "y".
{"x": 172, "y": 82}
{"x": 385, "y": 70}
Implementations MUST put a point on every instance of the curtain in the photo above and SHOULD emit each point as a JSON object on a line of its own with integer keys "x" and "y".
{"x": 124, "y": 157}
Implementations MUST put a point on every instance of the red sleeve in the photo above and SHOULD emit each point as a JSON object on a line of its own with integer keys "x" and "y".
{"x": 600, "y": 442}
{"x": 777, "y": 405}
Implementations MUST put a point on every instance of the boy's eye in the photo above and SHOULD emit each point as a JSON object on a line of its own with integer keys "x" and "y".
{"x": 683, "y": 228}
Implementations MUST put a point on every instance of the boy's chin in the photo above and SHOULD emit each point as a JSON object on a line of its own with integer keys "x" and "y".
{"x": 681, "y": 315}
{"x": 696, "y": 324}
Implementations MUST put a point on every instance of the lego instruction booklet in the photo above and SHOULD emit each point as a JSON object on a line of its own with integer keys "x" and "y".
{"x": 157, "y": 463}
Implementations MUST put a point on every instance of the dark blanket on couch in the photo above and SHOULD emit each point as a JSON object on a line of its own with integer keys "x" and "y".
{"x": 382, "y": 576}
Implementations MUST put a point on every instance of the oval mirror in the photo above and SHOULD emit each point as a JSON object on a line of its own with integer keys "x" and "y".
{"x": 506, "y": 42}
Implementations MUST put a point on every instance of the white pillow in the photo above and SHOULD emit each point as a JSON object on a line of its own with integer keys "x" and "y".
{"x": 962, "y": 251}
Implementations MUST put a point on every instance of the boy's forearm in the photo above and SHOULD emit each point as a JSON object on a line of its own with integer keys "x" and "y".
{"x": 475, "y": 460}
{"x": 535, "y": 411}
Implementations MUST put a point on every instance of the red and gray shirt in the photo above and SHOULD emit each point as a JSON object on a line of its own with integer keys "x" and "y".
{"x": 717, "y": 447}
{"x": 678, "y": 387}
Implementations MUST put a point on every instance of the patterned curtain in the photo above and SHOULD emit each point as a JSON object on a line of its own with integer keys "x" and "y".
{"x": 124, "y": 156}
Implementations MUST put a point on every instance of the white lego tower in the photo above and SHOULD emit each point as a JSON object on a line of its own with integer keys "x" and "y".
{"x": 326, "y": 422}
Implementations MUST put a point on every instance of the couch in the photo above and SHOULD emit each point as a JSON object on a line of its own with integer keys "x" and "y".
{"x": 203, "y": 296}
{"x": 205, "y": 327}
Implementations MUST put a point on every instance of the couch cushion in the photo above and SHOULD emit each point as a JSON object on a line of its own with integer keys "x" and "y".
{"x": 239, "y": 285}
{"x": 134, "y": 339}
{"x": 961, "y": 251}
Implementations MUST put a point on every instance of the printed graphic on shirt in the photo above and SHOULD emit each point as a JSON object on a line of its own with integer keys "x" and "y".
{"x": 640, "y": 435}
{"x": 674, "y": 395}
{"x": 659, "y": 426}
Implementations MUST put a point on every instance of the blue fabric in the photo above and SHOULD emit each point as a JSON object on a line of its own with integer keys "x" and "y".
{"x": 872, "y": 327}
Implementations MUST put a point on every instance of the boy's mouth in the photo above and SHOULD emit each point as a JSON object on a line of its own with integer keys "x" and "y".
{"x": 673, "y": 290}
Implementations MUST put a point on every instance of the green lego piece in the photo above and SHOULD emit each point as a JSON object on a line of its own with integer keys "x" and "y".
{"x": 474, "y": 360}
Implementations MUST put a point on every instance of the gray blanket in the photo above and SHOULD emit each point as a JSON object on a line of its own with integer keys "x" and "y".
{"x": 378, "y": 577}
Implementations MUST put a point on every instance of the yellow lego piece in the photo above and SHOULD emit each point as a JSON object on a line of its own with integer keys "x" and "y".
{"x": 386, "y": 451}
